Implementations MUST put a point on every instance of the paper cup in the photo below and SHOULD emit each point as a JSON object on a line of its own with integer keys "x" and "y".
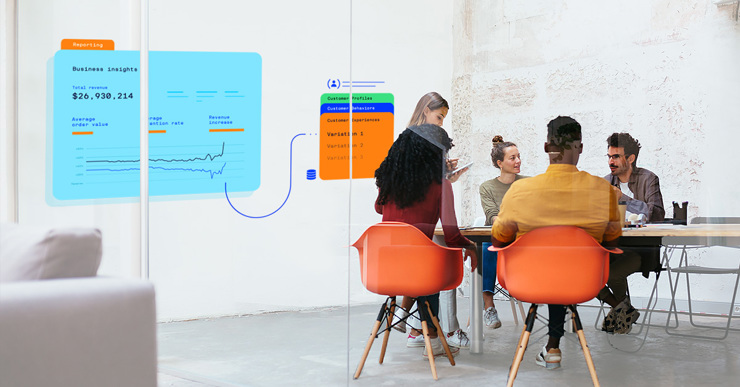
{"x": 623, "y": 213}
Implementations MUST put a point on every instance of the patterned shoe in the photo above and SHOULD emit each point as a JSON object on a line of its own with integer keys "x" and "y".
{"x": 626, "y": 316}
{"x": 610, "y": 321}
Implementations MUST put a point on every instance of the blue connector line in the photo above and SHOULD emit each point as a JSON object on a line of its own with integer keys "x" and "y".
{"x": 290, "y": 186}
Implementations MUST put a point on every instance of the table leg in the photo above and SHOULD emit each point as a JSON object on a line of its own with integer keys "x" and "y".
{"x": 476, "y": 308}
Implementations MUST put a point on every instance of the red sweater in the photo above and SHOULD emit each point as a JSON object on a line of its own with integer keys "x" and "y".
{"x": 439, "y": 203}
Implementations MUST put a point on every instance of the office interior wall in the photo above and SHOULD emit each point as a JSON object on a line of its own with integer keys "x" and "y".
{"x": 664, "y": 71}
{"x": 208, "y": 260}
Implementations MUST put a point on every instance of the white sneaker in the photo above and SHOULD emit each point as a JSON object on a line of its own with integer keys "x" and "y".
{"x": 415, "y": 341}
{"x": 399, "y": 314}
{"x": 491, "y": 318}
{"x": 439, "y": 350}
{"x": 458, "y": 339}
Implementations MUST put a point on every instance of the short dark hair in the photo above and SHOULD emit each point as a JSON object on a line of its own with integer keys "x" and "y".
{"x": 630, "y": 145}
{"x": 563, "y": 130}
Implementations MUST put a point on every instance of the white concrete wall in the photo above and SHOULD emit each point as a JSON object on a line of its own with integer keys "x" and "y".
{"x": 665, "y": 71}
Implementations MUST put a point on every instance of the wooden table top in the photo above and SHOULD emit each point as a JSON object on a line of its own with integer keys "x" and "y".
{"x": 656, "y": 230}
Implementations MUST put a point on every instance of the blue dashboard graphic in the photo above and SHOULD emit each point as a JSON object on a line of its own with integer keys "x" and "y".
{"x": 204, "y": 123}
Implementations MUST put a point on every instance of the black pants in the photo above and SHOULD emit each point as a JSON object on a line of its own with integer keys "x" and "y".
{"x": 433, "y": 300}
{"x": 556, "y": 325}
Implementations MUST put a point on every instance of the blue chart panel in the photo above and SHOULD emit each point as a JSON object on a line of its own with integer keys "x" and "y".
{"x": 204, "y": 123}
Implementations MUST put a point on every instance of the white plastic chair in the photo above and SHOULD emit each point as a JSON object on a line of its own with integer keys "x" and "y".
{"x": 686, "y": 269}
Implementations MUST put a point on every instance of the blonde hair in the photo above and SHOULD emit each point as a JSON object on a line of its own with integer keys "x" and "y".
{"x": 431, "y": 100}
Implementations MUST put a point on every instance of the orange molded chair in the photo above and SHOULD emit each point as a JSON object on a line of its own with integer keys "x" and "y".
{"x": 561, "y": 265}
{"x": 397, "y": 259}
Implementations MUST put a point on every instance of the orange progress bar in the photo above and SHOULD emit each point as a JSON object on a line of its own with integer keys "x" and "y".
{"x": 157, "y": 131}
{"x": 80, "y": 133}
{"x": 226, "y": 130}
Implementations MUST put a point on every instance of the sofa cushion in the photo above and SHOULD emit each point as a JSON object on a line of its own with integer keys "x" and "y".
{"x": 33, "y": 253}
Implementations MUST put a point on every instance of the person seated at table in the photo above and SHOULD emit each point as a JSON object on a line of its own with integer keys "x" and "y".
{"x": 562, "y": 195}
{"x": 505, "y": 156}
{"x": 640, "y": 188}
{"x": 412, "y": 188}
{"x": 432, "y": 108}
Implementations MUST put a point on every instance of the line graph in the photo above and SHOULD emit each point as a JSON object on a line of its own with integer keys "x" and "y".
{"x": 208, "y": 156}
{"x": 173, "y": 169}
{"x": 210, "y": 171}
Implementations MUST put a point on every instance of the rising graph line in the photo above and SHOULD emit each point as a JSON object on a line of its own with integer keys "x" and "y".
{"x": 210, "y": 171}
{"x": 204, "y": 158}
{"x": 290, "y": 186}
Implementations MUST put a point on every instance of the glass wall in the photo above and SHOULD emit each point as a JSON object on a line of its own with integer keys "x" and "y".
{"x": 77, "y": 105}
{"x": 264, "y": 123}
{"x": 256, "y": 228}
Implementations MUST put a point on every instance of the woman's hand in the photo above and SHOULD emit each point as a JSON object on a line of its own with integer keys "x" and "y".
{"x": 454, "y": 176}
{"x": 472, "y": 252}
{"x": 451, "y": 165}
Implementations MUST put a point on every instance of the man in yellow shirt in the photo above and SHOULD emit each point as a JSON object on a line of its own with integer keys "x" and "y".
{"x": 562, "y": 196}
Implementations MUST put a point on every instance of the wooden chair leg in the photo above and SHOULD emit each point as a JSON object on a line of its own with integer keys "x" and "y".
{"x": 521, "y": 310}
{"x": 513, "y": 311}
{"x": 441, "y": 335}
{"x": 376, "y": 328}
{"x": 389, "y": 319}
{"x": 427, "y": 339}
{"x": 428, "y": 347}
{"x": 525, "y": 326}
{"x": 586, "y": 352}
{"x": 522, "y": 346}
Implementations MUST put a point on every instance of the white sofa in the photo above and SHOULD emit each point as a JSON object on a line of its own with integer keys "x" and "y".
{"x": 60, "y": 324}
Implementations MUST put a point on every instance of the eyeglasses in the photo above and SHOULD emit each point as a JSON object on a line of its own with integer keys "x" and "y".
{"x": 616, "y": 156}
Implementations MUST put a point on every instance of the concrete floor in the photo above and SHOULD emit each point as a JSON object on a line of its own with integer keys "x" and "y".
{"x": 323, "y": 347}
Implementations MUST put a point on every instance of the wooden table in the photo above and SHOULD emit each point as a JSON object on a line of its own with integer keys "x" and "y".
{"x": 650, "y": 236}
{"x": 694, "y": 234}
{"x": 727, "y": 231}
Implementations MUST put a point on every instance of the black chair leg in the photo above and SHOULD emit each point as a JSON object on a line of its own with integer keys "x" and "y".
{"x": 391, "y": 311}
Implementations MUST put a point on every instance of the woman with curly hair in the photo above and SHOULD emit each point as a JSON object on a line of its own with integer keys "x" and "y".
{"x": 412, "y": 188}
{"x": 432, "y": 108}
